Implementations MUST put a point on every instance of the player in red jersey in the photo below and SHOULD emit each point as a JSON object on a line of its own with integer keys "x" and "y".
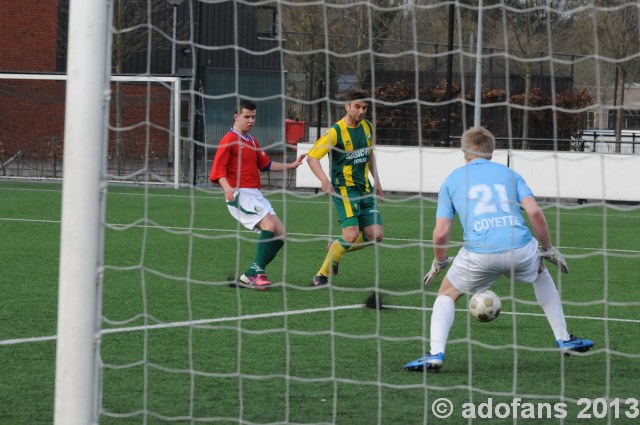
{"x": 236, "y": 168}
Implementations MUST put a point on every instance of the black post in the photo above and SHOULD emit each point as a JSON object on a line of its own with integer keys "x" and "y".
{"x": 199, "y": 56}
{"x": 319, "y": 116}
{"x": 199, "y": 130}
{"x": 435, "y": 59}
{"x": 573, "y": 57}
{"x": 54, "y": 157}
{"x": 449, "y": 71}
{"x": 320, "y": 84}
{"x": 615, "y": 101}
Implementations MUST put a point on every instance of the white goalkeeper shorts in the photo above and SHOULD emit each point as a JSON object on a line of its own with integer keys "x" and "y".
{"x": 473, "y": 272}
{"x": 249, "y": 207}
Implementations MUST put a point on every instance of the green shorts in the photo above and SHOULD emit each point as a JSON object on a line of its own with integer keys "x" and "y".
{"x": 356, "y": 208}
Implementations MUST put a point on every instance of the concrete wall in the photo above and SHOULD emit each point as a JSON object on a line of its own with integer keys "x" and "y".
{"x": 550, "y": 174}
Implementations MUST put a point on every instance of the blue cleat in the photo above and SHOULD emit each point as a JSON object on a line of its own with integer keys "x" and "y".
{"x": 428, "y": 361}
{"x": 574, "y": 344}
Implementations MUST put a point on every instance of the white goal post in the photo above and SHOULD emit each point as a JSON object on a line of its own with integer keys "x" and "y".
{"x": 83, "y": 214}
{"x": 172, "y": 83}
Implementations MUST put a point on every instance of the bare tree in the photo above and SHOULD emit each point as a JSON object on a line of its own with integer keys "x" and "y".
{"x": 351, "y": 32}
{"x": 530, "y": 24}
{"x": 618, "y": 29}
{"x": 303, "y": 32}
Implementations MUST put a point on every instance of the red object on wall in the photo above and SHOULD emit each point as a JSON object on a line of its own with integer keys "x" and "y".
{"x": 294, "y": 131}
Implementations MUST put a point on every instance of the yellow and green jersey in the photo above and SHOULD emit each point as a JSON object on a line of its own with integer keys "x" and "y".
{"x": 350, "y": 149}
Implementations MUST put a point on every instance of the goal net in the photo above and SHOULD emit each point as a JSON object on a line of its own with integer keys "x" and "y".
{"x": 180, "y": 342}
{"x": 144, "y": 127}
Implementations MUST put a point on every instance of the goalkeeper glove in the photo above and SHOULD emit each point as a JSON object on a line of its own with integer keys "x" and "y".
{"x": 436, "y": 268}
{"x": 553, "y": 256}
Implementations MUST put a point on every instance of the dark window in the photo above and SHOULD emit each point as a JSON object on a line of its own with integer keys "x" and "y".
{"x": 267, "y": 22}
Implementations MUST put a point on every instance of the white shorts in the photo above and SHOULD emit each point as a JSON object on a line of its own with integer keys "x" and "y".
{"x": 473, "y": 272}
{"x": 249, "y": 207}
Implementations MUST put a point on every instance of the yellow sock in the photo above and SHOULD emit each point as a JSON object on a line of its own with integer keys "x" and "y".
{"x": 336, "y": 251}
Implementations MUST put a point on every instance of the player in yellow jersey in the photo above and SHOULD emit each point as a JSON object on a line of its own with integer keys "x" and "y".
{"x": 349, "y": 143}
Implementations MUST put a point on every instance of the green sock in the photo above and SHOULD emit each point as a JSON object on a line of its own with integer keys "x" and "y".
{"x": 272, "y": 250}
{"x": 253, "y": 270}
{"x": 265, "y": 252}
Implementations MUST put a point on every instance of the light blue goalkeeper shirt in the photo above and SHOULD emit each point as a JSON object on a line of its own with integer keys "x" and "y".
{"x": 486, "y": 196}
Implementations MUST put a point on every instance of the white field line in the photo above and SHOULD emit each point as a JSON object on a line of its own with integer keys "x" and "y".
{"x": 309, "y": 235}
{"x": 203, "y": 322}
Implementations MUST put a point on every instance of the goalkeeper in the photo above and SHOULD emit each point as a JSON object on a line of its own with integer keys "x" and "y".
{"x": 349, "y": 144}
{"x": 236, "y": 168}
{"x": 487, "y": 198}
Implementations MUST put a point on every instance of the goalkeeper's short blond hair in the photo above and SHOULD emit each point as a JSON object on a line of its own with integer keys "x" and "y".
{"x": 477, "y": 142}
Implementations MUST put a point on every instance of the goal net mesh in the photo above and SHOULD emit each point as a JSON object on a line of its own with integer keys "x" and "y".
{"x": 181, "y": 344}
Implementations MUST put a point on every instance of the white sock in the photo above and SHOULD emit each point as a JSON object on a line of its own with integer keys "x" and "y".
{"x": 444, "y": 310}
{"x": 549, "y": 299}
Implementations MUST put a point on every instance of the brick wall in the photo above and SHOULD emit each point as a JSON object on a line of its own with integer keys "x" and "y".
{"x": 28, "y": 35}
{"x": 32, "y": 121}
{"x": 32, "y": 112}
{"x": 145, "y": 117}
{"x": 32, "y": 118}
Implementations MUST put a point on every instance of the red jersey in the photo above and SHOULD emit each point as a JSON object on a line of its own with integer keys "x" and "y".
{"x": 240, "y": 159}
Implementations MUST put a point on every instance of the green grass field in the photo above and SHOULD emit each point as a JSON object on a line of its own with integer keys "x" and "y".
{"x": 180, "y": 346}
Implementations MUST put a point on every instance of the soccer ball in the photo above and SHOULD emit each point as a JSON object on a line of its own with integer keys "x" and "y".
{"x": 485, "y": 306}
